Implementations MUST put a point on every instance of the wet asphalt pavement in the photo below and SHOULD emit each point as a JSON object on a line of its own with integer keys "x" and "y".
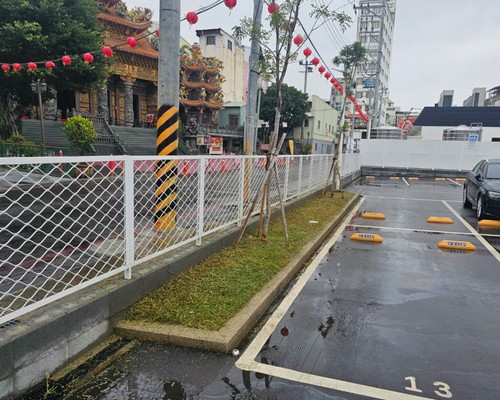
{"x": 402, "y": 316}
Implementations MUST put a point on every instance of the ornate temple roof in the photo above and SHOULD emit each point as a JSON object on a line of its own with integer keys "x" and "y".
{"x": 121, "y": 23}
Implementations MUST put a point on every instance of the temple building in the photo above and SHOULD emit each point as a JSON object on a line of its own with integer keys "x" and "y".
{"x": 131, "y": 92}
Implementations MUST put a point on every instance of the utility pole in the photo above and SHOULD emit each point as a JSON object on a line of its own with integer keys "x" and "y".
{"x": 167, "y": 123}
{"x": 251, "y": 112}
{"x": 306, "y": 64}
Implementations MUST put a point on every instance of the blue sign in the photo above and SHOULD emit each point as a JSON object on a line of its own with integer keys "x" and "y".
{"x": 368, "y": 83}
{"x": 473, "y": 137}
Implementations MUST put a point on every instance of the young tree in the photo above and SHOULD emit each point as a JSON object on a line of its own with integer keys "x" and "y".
{"x": 43, "y": 30}
{"x": 351, "y": 57}
{"x": 276, "y": 45}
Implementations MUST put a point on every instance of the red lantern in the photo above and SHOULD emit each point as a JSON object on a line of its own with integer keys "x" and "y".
{"x": 321, "y": 69}
{"x": 131, "y": 41}
{"x": 6, "y": 67}
{"x": 298, "y": 40}
{"x": 88, "y": 58}
{"x": 353, "y": 100}
{"x": 315, "y": 61}
{"x": 230, "y": 4}
{"x": 32, "y": 66}
{"x": 66, "y": 60}
{"x": 192, "y": 17}
{"x": 340, "y": 89}
{"x": 17, "y": 67}
{"x": 107, "y": 51}
{"x": 332, "y": 81}
{"x": 50, "y": 65}
{"x": 307, "y": 52}
{"x": 158, "y": 33}
{"x": 328, "y": 75}
{"x": 273, "y": 8}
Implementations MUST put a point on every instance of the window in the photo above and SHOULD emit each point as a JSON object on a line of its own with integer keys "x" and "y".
{"x": 306, "y": 123}
{"x": 230, "y": 45}
{"x": 210, "y": 40}
{"x": 319, "y": 124}
{"x": 234, "y": 120}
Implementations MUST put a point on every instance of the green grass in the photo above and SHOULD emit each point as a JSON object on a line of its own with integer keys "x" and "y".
{"x": 214, "y": 290}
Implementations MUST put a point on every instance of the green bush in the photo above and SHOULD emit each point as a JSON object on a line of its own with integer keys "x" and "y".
{"x": 19, "y": 139}
{"x": 81, "y": 133}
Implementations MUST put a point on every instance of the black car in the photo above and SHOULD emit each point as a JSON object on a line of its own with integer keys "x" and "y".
{"x": 482, "y": 189}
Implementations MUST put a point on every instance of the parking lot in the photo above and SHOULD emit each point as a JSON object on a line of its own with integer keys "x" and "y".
{"x": 401, "y": 319}
{"x": 397, "y": 320}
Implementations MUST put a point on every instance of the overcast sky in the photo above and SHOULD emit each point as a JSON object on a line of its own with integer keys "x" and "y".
{"x": 438, "y": 45}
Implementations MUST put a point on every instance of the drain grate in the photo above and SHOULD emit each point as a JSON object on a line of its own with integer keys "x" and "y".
{"x": 12, "y": 322}
{"x": 55, "y": 390}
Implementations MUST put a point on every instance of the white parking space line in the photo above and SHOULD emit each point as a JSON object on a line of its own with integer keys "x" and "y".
{"x": 478, "y": 236}
{"x": 390, "y": 228}
{"x": 330, "y": 383}
{"x": 247, "y": 360}
{"x": 452, "y": 181}
{"x": 260, "y": 339}
{"x": 407, "y": 184}
{"x": 411, "y": 198}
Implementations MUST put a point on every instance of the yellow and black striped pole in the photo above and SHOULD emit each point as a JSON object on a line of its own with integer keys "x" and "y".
{"x": 166, "y": 171}
{"x": 167, "y": 123}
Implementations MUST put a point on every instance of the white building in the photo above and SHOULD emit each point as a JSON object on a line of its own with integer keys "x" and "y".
{"x": 221, "y": 45}
{"x": 473, "y": 124}
{"x": 446, "y": 98}
{"x": 375, "y": 32}
{"x": 319, "y": 126}
{"x": 476, "y": 99}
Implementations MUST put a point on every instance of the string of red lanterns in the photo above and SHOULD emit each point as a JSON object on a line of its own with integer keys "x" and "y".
{"x": 298, "y": 40}
{"x": 191, "y": 17}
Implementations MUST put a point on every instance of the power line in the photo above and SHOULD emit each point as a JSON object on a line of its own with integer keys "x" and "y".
{"x": 330, "y": 26}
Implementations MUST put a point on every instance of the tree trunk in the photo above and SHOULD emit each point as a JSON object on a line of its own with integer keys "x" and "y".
{"x": 8, "y": 125}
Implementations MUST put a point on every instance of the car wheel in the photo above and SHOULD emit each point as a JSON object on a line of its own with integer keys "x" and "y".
{"x": 480, "y": 207}
{"x": 465, "y": 201}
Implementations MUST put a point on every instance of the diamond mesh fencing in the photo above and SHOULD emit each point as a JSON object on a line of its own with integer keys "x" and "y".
{"x": 69, "y": 222}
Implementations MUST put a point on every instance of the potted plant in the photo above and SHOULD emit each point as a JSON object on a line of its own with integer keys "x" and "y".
{"x": 81, "y": 133}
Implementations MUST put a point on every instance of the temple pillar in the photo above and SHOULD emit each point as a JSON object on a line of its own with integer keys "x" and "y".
{"x": 102, "y": 103}
{"x": 128, "y": 97}
{"x": 129, "y": 103}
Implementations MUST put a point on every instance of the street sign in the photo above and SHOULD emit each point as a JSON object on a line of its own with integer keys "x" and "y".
{"x": 368, "y": 83}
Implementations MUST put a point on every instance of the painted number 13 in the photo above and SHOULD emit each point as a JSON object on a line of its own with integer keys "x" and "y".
{"x": 443, "y": 389}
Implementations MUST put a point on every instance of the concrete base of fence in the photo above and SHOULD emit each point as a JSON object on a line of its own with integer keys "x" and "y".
{"x": 44, "y": 341}
{"x": 412, "y": 172}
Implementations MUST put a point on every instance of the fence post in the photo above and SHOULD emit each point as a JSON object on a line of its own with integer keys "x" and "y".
{"x": 287, "y": 177}
{"x": 311, "y": 164}
{"x": 241, "y": 196}
{"x": 129, "y": 217}
{"x": 201, "y": 200}
{"x": 299, "y": 183}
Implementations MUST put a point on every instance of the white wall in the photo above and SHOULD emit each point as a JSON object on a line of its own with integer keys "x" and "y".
{"x": 436, "y": 133}
{"x": 427, "y": 154}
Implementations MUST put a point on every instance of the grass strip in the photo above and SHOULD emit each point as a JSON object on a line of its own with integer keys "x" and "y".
{"x": 214, "y": 290}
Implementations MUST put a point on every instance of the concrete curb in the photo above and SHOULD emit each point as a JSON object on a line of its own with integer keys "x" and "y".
{"x": 240, "y": 325}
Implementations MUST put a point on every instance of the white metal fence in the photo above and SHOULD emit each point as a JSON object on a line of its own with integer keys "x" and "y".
{"x": 426, "y": 154}
{"x": 69, "y": 222}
